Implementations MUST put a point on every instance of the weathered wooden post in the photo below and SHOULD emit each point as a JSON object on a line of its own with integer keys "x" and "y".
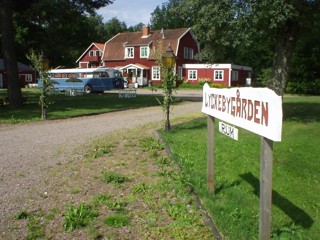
{"x": 210, "y": 154}
{"x": 266, "y": 158}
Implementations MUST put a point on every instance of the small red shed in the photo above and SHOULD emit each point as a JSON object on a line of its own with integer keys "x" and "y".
{"x": 27, "y": 74}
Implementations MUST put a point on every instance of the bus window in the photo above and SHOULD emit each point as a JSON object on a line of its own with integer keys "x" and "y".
{"x": 104, "y": 75}
{"x": 117, "y": 74}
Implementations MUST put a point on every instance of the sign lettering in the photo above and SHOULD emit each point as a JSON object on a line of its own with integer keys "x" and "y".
{"x": 229, "y": 131}
{"x": 258, "y": 110}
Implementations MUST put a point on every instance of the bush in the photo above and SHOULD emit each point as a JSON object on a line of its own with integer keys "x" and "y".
{"x": 304, "y": 87}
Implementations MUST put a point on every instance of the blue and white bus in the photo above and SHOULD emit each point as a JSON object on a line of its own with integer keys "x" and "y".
{"x": 87, "y": 79}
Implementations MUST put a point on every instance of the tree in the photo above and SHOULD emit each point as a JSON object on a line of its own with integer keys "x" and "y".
{"x": 113, "y": 27}
{"x": 39, "y": 27}
{"x": 9, "y": 56}
{"x": 170, "y": 15}
{"x": 229, "y": 25}
{"x": 41, "y": 65}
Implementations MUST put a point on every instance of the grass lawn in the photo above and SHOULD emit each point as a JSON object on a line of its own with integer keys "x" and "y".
{"x": 65, "y": 106}
{"x": 235, "y": 205}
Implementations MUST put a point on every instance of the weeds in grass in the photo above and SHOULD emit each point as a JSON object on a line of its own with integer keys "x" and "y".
{"x": 79, "y": 216}
{"x": 34, "y": 224}
{"x": 117, "y": 220}
{"x": 35, "y": 228}
{"x": 113, "y": 177}
{"x": 140, "y": 188}
{"x": 151, "y": 144}
{"x": 117, "y": 205}
{"x": 101, "y": 199}
{"x": 21, "y": 215}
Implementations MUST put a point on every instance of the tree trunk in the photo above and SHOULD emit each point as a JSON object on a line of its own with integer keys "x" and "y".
{"x": 9, "y": 54}
{"x": 284, "y": 47}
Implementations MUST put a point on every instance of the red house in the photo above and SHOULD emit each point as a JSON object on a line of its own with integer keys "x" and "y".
{"x": 134, "y": 52}
{"x": 27, "y": 74}
{"x": 91, "y": 58}
{"x": 229, "y": 75}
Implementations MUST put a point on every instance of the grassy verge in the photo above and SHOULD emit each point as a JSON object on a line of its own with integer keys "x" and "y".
{"x": 296, "y": 167}
{"x": 123, "y": 187}
{"x": 65, "y": 106}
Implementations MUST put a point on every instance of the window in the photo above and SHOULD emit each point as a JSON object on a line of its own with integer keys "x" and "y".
{"x": 234, "y": 75}
{"x": 156, "y": 73}
{"x": 218, "y": 75}
{"x": 97, "y": 53}
{"x": 129, "y": 52}
{"x": 28, "y": 77}
{"x": 185, "y": 53}
{"x": 144, "y": 52}
{"x": 190, "y": 53}
{"x": 192, "y": 74}
{"x": 91, "y": 53}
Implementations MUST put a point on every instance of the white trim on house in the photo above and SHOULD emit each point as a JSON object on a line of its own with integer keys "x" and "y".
{"x": 192, "y": 35}
{"x": 193, "y": 74}
{"x": 87, "y": 63}
{"x": 129, "y": 52}
{"x": 217, "y": 65}
{"x": 220, "y": 74}
{"x": 148, "y": 51}
{"x": 157, "y": 69}
{"x": 84, "y": 53}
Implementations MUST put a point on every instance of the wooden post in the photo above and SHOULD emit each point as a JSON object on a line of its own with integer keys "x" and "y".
{"x": 266, "y": 158}
{"x": 210, "y": 154}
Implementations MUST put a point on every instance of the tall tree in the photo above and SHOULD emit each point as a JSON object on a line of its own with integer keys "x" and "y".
{"x": 232, "y": 24}
{"x": 9, "y": 56}
{"x": 171, "y": 14}
{"x": 114, "y": 26}
{"x": 38, "y": 26}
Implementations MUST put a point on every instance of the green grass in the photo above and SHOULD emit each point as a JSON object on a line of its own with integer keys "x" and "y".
{"x": 296, "y": 167}
{"x": 62, "y": 106}
{"x": 79, "y": 216}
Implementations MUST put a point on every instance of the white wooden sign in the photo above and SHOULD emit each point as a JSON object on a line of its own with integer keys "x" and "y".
{"x": 258, "y": 110}
{"x": 228, "y": 130}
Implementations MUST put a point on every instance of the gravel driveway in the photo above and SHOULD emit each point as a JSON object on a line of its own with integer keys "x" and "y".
{"x": 28, "y": 150}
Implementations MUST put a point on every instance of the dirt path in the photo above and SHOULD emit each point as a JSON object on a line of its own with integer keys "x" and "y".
{"x": 28, "y": 150}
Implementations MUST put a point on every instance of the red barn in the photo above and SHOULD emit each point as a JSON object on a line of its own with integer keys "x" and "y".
{"x": 91, "y": 58}
{"x": 27, "y": 74}
{"x": 229, "y": 75}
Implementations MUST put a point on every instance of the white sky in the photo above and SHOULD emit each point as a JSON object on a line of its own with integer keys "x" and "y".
{"x": 131, "y": 12}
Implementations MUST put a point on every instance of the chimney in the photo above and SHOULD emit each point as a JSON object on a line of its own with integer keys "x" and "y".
{"x": 163, "y": 33}
{"x": 145, "y": 31}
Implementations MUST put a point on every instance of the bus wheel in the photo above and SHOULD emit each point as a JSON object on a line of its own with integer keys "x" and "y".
{"x": 88, "y": 89}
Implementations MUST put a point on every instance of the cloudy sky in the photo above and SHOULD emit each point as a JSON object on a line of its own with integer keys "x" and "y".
{"x": 131, "y": 12}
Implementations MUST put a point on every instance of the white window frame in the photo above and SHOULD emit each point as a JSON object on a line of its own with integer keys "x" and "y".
{"x": 190, "y": 53}
{"x": 218, "y": 75}
{"x": 192, "y": 74}
{"x": 144, "y": 50}
{"x": 185, "y": 53}
{"x": 28, "y": 77}
{"x": 129, "y": 52}
{"x": 156, "y": 73}
{"x": 97, "y": 52}
{"x": 234, "y": 75}
{"x": 91, "y": 53}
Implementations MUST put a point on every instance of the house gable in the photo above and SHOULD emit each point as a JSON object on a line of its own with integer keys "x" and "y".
{"x": 91, "y": 56}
